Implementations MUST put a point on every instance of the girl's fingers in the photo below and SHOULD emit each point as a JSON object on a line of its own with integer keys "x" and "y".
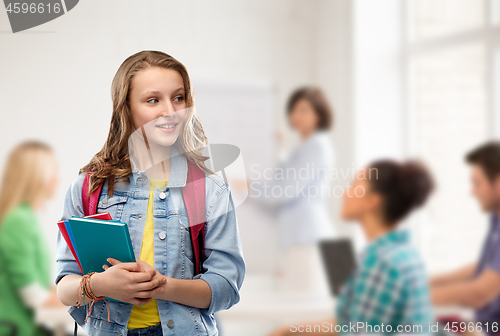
{"x": 131, "y": 266}
{"x": 143, "y": 265}
{"x": 143, "y": 276}
{"x": 149, "y": 285}
{"x": 144, "y": 294}
{"x": 113, "y": 261}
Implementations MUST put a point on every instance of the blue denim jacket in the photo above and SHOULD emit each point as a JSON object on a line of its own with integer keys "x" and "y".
{"x": 224, "y": 266}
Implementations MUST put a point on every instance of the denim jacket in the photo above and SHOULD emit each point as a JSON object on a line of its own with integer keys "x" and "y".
{"x": 224, "y": 266}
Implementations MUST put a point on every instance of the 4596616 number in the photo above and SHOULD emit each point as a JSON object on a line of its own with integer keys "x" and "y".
{"x": 455, "y": 327}
{"x": 25, "y": 7}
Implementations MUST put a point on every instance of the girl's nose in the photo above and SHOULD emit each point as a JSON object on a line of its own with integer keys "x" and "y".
{"x": 167, "y": 110}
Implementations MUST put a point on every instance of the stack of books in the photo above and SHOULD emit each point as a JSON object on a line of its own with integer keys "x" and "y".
{"x": 93, "y": 239}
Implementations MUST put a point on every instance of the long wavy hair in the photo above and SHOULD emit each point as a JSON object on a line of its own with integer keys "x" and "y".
{"x": 26, "y": 176}
{"x": 112, "y": 162}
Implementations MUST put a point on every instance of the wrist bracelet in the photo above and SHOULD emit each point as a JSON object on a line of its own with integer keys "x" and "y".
{"x": 85, "y": 290}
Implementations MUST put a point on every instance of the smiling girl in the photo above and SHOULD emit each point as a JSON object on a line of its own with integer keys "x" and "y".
{"x": 142, "y": 186}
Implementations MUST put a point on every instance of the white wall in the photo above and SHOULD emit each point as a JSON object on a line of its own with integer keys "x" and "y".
{"x": 378, "y": 88}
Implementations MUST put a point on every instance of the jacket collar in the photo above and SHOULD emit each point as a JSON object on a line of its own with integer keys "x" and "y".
{"x": 178, "y": 171}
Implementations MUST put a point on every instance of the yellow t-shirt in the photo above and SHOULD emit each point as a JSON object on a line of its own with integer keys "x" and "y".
{"x": 147, "y": 315}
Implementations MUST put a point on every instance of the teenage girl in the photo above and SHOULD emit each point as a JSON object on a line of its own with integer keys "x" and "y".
{"x": 161, "y": 296}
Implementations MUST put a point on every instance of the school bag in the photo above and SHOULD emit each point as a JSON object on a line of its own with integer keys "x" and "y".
{"x": 194, "y": 199}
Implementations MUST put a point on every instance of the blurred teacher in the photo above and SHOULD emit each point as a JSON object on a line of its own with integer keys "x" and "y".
{"x": 297, "y": 192}
{"x": 30, "y": 178}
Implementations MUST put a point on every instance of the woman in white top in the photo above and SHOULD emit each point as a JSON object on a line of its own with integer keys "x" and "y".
{"x": 297, "y": 194}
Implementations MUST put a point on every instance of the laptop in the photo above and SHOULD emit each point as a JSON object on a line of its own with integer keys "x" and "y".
{"x": 339, "y": 262}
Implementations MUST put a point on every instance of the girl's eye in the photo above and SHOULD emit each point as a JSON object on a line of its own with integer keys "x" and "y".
{"x": 180, "y": 98}
{"x": 149, "y": 101}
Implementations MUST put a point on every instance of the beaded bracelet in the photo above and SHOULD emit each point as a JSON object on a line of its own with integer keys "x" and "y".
{"x": 85, "y": 290}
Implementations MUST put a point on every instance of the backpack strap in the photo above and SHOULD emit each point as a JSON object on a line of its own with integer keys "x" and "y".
{"x": 194, "y": 199}
{"x": 90, "y": 202}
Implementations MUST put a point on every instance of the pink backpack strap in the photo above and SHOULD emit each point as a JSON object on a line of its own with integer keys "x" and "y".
{"x": 194, "y": 199}
{"x": 89, "y": 203}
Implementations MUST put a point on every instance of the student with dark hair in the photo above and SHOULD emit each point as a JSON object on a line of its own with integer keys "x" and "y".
{"x": 477, "y": 285}
{"x": 389, "y": 288}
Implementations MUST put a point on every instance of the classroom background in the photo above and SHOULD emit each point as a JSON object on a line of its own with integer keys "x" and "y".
{"x": 404, "y": 78}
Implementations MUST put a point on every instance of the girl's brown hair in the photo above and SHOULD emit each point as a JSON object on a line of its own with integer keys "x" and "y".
{"x": 113, "y": 161}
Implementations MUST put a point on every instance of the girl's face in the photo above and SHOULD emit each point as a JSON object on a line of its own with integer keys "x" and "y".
{"x": 358, "y": 199}
{"x": 158, "y": 103}
{"x": 303, "y": 118}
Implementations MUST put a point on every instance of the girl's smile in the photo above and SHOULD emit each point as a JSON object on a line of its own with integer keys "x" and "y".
{"x": 167, "y": 127}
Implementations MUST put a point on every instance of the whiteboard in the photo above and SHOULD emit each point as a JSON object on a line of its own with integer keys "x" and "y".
{"x": 238, "y": 112}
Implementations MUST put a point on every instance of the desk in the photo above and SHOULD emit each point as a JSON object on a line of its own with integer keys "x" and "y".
{"x": 465, "y": 313}
{"x": 261, "y": 309}
{"x": 275, "y": 307}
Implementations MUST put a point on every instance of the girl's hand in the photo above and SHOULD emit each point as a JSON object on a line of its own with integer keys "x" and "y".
{"x": 147, "y": 267}
{"x": 127, "y": 282}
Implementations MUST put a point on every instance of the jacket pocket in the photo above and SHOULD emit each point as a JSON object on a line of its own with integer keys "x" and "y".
{"x": 113, "y": 205}
{"x": 206, "y": 322}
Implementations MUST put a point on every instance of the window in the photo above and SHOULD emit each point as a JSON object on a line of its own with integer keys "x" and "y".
{"x": 452, "y": 59}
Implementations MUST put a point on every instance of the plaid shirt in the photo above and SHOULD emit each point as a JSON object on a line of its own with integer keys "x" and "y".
{"x": 389, "y": 287}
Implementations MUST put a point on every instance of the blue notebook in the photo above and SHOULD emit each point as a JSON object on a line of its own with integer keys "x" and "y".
{"x": 70, "y": 234}
{"x": 95, "y": 240}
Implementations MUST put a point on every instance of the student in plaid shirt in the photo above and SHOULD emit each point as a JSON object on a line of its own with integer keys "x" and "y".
{"x": 389, "y": 290}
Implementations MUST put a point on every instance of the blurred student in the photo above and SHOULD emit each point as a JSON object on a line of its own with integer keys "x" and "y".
{"x": 390, "y": 286}
{"x": 30, "y": 178}
{"x": 295, "y": 193}
{"x": 477, "y": 285}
